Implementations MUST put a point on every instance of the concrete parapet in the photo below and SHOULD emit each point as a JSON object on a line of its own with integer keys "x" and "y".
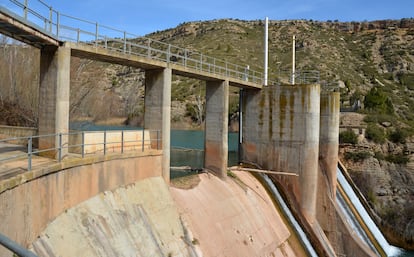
{"x": 94, "y": 141}
{"x": 13, "y": 131}
{"x": 281, "y": 133}
{"x": 158, "y": 110}
{"x": 216, "y": 143}
{"x": 29, "y": 201}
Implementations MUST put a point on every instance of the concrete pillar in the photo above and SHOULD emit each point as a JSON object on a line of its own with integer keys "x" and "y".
{"x": 281, "y": 133}
{"x": 158, "y": 111}
{"x": 54, "y": 94}
{"x": 216, "y": 130}
{"x": 329, "y": 137}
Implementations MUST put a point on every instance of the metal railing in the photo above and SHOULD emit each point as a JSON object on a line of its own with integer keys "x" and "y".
{"x": 82, "y": 143}
{"x": 15, "y": 247}
{"x": 301, "y": 76}
{"x": 68, "y": 28}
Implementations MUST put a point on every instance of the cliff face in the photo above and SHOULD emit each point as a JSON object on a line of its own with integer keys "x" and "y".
{"x": 386, "y": 183}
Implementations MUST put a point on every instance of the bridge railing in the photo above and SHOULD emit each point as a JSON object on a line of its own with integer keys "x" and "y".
{"x": 79, "y": 144}
{"x": 68, "y": 28}
{"x": 301, "y": 76}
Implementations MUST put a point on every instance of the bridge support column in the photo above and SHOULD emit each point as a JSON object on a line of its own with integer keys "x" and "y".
{"x": 281, "y": 133}
{"x": 158, "y": 111}
{"x": 54, "y": 99}
{"x": 329, "y": 138}
{"x": 216, "y": 128}
{"x": 328, "y": 163}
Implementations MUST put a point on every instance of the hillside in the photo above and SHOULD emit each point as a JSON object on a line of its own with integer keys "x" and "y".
{"x": 369, "y": 62}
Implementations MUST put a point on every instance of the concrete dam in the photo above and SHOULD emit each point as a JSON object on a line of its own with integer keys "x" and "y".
{"x": 69, "y": 201}
{"x": 120, "y": 205}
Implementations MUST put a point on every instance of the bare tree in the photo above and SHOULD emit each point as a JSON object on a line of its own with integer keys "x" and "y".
{"x": 4, "y": 40}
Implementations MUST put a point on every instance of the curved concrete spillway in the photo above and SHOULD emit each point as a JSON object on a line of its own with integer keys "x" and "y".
{"x": 235, "y": 217}
{"x": 136, "y": 220}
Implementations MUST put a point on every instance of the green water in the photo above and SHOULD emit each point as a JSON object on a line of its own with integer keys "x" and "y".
{"x": 187, "y": 146}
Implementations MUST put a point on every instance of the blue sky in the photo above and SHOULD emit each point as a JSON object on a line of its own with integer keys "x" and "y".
{"x": 142, "y": 17}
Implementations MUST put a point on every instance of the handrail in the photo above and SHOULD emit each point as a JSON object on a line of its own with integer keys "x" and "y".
{"x": 81, "y": 31}
{"x": 123, "y": 144}
{"x": 15, "y": 247}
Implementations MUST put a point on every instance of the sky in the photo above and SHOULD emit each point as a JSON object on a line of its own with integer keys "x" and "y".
{"x": 141, "y": 17}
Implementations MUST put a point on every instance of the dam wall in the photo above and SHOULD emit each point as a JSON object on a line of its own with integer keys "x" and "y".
{"x": 281, "y": 133}
{"x": 294, "y": 130}
{"x": 29, "y": 201}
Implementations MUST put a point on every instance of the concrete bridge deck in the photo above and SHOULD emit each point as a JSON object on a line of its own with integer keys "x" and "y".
{"x": 54, "y": 33}
{"x": 134, "y": 51}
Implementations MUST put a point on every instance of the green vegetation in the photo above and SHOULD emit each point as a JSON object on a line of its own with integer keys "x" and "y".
{"x": 406, "y": 79}
{"x": 348, "y": 137}
{"x": 377, "y": 101}
{"x": 231, "y": 174}
{"x": 375, "y": 133}
{"x": 397, "y": 158}
{"x": 379, "y": 156}
{"x": 195, "y": 241}
{"x": 357, "y": 156}
{"x": 398, "y": 135}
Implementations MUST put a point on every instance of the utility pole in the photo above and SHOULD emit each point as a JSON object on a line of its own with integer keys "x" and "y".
{"x": 266, "y": 50}
{"x": 293, "y": 59}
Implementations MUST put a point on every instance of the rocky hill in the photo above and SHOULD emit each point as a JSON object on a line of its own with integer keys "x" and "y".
{"x": 372, "y": 64}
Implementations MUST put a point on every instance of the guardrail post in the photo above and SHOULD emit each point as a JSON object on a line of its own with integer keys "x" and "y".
{"x": 149, "y": 47}
{"x": 124, "y": 42}
{"x": 214, "y": 65}
{"x": 57, "y": 24}
{"x": 96, "y": 34}
{"x": 78, "y": 37}
{"x": 104, "y": 143}
{"x": 83, "y": 144}
{"x": 50, "y": 19}
{"x": 122, "y": 141}
{"x": 25, "y": 9}
{"x": 106, "y": 42}
{"x": 29, "y": 153}
{"x": 185, "y": 57}
{"x": 143, "y": 138}
{"x": 168, "y": 52}
{"x": 60, "y": 147}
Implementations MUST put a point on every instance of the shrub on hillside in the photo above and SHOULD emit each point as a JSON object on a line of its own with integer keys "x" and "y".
{"x": 398, "y": 136}
{"x": 348, "y": 137}
{"x": 357, "y": 156}
{"x": 377, "y": 101}
{"x": 375, "y": 133}
{"x": 397, "y": 158}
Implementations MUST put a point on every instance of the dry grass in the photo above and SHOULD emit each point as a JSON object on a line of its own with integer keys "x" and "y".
{"x": 186, "y": 182}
